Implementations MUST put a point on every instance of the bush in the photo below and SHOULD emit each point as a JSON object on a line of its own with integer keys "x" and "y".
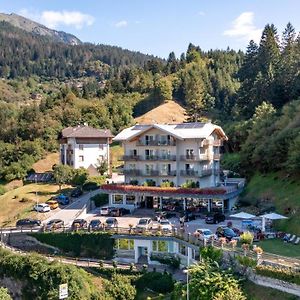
{"x": 100, "y": 199}
{"x": 4, "y": 295}
{"x": 109, "y": 272}
{"x": 247, "y": 238}
{"x": 155, "y": 281}
{"x": 167, "y": 259}
{"x": 42, "y": 278}
{"x": 120, "y": 288}
{"x": 211, "y": 253}
{"x": 247, "y": 261}
{"x": 90, "y": 186}
{"x": 279, "y": 273}
{"x": 95, "y": 245}
{"x": 2, "y": 190}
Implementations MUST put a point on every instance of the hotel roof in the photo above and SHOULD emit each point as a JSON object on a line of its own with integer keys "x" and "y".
{"x": 179, "y": 131}
{"x": 82, "y": 131}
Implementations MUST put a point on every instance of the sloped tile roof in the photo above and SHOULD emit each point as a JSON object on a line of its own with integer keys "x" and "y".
{"x": 82, "y": 131}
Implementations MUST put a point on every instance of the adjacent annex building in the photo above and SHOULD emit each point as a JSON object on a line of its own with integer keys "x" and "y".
{"x": 160, "y": 159}
{"x": 85, "y": 146}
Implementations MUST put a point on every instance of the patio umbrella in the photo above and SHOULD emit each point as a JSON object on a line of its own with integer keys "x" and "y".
{"x": 271, "y": 216}
{"x": 242, "y": 215}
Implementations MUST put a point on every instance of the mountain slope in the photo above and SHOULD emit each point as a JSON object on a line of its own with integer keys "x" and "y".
{"x": 169, "y": 112}
{"x": 39, "y": 29}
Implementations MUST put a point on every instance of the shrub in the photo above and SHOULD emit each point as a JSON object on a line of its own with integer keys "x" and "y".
{"x": 42, "y": 278}
{"x": 90, "y": 186}
{"x": 95, "y": 245}
{"x": 279, "y": 273}
{"x": 120, "y": 288}
{"x": 109, "y": 272}
{"x": 2, "y": 190}
{"x": 211, "y": 253}
{"x": 100, "y": 199}
{"x": 246, "y": 261}
{"x": 167, "y": 259}
{"x": 4, "y": 295}
{"x": 247, "y": 238}
{"x": 155, "y": 281}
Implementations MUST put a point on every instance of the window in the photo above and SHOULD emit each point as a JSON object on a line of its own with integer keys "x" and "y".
{"x": 125, "y": 244}
{"x": 165, "y": 154}
{"x": 149, "y": 154}
{"x": 189, "y": 153}
{"x": 130, "y": 199}
{"x": 131, "y": 166}
{"x": 149, "y": 139}
{"x": 80, "y": 147}
{"x": 101, "y": 146}
{"x": 118, "y": 199}
{"x": 162, "y": 246}
{"x": 148, "y": 169}
{"x": 81, "y": 158}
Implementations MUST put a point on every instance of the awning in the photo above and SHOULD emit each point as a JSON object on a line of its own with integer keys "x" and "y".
{"x": 243, "y": 215}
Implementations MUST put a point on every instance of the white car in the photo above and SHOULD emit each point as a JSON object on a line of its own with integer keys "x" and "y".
{"x": 165, "y": 225}
{"x": 42, "y": 207}
{"x": 144, "y": 224}
{"x": 204, "y": 234}
{"x": 105, "y": 211}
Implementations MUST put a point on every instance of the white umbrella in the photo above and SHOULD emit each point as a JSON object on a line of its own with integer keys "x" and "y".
{"x": 242, "y": 215}
{"x": 271, "y": 216}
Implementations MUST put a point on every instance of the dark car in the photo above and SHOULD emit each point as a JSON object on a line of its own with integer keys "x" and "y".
{"x": 76, "y": 193}
{"x": 124, "y": 211}
{"x": 214, "y": 218}
{"x": 226, "y": 232}
{"x": 95, "y": 225}
{"x": 54, "y": 224}
{"x": 189, "y": 216}
{"x": 62, "y": 199}
{"x": 28, "y": 223}
{"x": 79, "y": 224}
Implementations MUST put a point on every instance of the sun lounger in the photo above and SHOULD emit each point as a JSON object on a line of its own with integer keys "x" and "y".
{"x": 297, "y": 241}
{"x": 286, "y": 237}
{"x": 292, "y": 239}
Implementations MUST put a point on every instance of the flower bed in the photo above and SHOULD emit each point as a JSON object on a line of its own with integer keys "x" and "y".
{"x": 163, "y": 190}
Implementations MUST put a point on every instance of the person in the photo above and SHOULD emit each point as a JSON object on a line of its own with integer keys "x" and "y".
{"x": 181, "y": 220}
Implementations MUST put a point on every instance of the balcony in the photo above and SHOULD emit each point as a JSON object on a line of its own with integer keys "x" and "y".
{"x": 189, "y": 173}
{"x": 167, "y": 173}
{"x": 156, "y": 143}
{"x": 205, "y": 173}
{"x": 188, "y": 157}
{"x": 205, "y": 157}
{"x": 217, "y": 156}
{"x": 160, "y": 157}
{"x": 130, "y": 157}
{"x": 133, "y": 172}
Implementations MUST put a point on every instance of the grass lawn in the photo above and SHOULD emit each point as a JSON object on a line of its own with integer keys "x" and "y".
{"x": 17, "y": 203}
{"x": 277, "y": 246}
{"x": 273, "y": 190}
{"x": 257, "y": 292}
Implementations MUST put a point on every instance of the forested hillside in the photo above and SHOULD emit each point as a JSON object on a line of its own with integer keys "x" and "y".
{"x": 253, "y": 95}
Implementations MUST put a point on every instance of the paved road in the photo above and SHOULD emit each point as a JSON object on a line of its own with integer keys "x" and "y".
{"x": 74, "y": 210}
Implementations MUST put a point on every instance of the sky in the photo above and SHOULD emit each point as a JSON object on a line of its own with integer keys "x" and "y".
{"x": 160, "y": 26}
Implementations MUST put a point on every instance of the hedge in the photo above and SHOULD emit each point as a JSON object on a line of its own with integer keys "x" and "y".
{"x": 41, "y": 278}
{"x": 100, "y": 199}
{"x": 93, "y": 245}
{"x": 284, "y": 274}
{"x": 167, "y": 259}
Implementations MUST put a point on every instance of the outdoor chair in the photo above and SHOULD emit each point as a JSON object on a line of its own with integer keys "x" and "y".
{"x": 286, "y": 237}
{"x": 297, "y": 241}
{"x": 292, "y": 239}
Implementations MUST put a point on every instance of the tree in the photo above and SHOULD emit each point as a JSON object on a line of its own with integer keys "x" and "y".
{"x": 163, "y": 89}
{"x": 4, "y": 295}
{"x": 207, "y": 281}
{"x": 62, "y": 174}
{"x": 80, "y": 176}
{"x": 102, "y": 166}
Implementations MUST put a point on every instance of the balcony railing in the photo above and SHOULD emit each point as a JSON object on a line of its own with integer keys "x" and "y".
{"x": 207, "y": 172}
{"x": 160, "y": 157}
{"x": 130, "y": 157}
{"x": 191, "y": 173}
{"x": 155, "y": 143}
{"x": 167, "y": 173}
{"x": 189, "y": 157}
{"x": 205, "y": 157}
{"x": 134, "y": 172}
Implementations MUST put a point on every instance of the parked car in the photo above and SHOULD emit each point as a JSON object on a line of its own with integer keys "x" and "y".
{"x": 95, "y": 225}
{"x": 105, "y": 211}
{"x": 144, "y": 224}
{"x": 62, "y": 199}
{"x": 114, "y": 212}
{"x": 111, "y": 223}
{"x": 214, "y": 218}
{"x": 189, "y": 216}
{"x": 28, "y": 223}
{"x": 204, "y": 234}
{"x": 165, "y": 225}
{"x": 52, "y": 203}
{"x": 79, "y": 224}
{"x": 124, "y": 211}
{"x": 42, "y": 207}
{"x": 76, "y": 193}
{"x": 226, "y": 232}
{"x": 54, "y": 224}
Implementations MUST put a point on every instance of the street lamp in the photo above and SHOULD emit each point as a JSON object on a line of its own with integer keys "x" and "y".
{"x": 186, "y": 271}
